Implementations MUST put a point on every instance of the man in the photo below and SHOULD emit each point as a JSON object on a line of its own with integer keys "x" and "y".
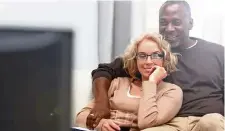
{"x": 200, "y": 75}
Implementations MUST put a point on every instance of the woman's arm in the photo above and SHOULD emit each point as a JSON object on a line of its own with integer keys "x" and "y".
{"x": 153, "y": 112}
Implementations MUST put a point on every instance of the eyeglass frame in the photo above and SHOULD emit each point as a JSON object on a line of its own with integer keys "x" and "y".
{"x": 162, "y": 55}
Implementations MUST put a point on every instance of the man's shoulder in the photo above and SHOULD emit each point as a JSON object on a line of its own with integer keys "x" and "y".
{"x": 209, "y": 46}
{"x": 205, "y": 43}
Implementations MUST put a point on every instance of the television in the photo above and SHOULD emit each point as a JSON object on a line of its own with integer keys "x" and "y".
{"x": 35, "y": 78}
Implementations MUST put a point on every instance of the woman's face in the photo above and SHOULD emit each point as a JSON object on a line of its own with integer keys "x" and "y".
{"x": 148, "y": 56}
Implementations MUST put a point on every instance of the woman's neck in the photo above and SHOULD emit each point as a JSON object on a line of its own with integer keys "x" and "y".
{"x": 144, "y": 79}
{"x": 137, "y": 83}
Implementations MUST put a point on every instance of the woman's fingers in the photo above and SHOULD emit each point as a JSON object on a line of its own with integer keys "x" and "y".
{"x": 114, "y": 125}
{"x": 107, "y": 127}
{"x": 110, "y": 125}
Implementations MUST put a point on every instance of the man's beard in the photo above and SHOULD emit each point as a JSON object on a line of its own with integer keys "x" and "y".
{"x": 175, "y": 46}
{"x": 173, "y": 43}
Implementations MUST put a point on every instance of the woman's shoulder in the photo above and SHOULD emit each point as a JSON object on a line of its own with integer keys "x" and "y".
{"x": 121, "y": 80}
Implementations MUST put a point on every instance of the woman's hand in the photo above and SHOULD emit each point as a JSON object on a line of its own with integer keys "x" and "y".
{"x": 110, "y": 125}
{"x": 158, "y": 74}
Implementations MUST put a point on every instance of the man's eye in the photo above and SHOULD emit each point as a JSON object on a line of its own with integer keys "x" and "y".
{"x": 176, "y": 22}
{"x": 162, "y": 22}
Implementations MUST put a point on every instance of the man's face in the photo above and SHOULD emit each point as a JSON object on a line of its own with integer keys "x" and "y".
{"x": 174, "y": 24}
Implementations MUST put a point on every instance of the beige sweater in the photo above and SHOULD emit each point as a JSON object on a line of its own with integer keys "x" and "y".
{"x": 157, "y": 104}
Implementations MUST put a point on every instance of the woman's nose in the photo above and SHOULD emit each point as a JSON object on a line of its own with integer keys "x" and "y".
{"x": 149, "y": 60}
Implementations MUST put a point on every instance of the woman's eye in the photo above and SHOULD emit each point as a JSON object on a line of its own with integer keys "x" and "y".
{"x": 142, "y": 56}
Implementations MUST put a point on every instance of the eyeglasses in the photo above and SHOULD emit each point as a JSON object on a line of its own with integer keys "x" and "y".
{"x": 153, "y": 56}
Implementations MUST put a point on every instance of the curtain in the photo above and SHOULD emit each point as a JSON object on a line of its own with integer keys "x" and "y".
{"x": 114, "y": 28}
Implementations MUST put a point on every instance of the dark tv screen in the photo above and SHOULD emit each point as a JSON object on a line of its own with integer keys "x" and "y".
{"x": 35, "y": 79}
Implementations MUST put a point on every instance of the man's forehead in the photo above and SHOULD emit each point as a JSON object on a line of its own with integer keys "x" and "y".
{"x": 177, "y": 10}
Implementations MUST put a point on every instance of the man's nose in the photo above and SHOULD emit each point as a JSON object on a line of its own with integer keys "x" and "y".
{"x": 170, "y": 27}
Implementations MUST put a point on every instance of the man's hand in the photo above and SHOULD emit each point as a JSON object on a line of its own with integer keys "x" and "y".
{"x": 97, "y": 113}
{"x": 101, "y": 108}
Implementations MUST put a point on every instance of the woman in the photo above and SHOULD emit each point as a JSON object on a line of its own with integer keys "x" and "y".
{"x": 145, "y": 102}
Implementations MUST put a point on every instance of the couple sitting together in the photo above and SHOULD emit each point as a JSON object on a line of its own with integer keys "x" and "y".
{"x": 145, "y": 101}
{"x": 151, "y": 88}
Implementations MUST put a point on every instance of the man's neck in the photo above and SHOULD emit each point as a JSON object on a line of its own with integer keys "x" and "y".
{"x": 186, "y": 44}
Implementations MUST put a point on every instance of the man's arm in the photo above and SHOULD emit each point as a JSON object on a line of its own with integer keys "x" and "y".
{"x": 102, "y": 77}
{"x": 104, "y": 74}
{"x": 110, "y": 70}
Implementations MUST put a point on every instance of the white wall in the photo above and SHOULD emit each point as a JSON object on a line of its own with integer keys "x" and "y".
{"x": 78, "y": 15}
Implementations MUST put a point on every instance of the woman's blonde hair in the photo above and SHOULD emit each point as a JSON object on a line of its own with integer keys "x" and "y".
{"x": 129, "y": 56}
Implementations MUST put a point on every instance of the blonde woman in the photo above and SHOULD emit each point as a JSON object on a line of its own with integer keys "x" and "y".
{"x": 145, "y": 102}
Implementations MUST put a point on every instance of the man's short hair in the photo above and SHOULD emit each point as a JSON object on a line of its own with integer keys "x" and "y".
{"x": 180, "y": 2}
